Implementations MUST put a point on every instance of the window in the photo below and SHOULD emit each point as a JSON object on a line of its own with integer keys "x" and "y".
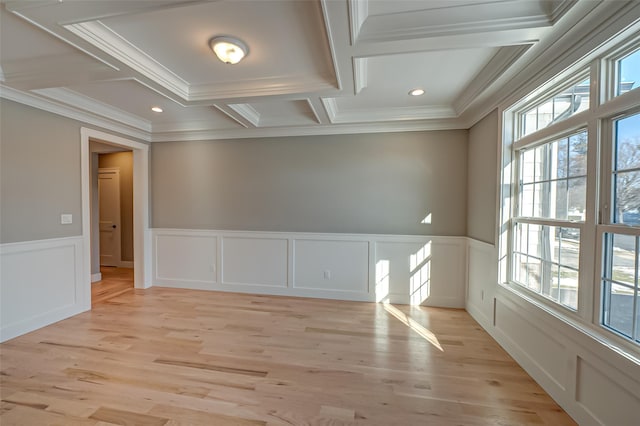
{"x": 570, "y": 232}
{"x": 621, "y": 300}
{"x": 628, "y": 75}
{"x": 552, "y": 186}
{"x": 561, "y": 105}
{"x": 620, "y": 296}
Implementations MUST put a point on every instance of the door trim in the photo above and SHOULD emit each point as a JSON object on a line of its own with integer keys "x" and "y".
{"x": 141, "y": 234}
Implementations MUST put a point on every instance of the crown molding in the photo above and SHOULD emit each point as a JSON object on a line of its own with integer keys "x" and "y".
{"x": 560, "y": 9}
{"x": 388, "y": 114}
{"x": 587, "y": 31}
{"x": 86, "y": 103}
{"x": 432, "y": 22}
{"x": 267, "y": 86}
{"x": 360, "y": 73}
{"x": 73, "y": 113}
{"x": 189, "y": 126}
{"x": 334, "y": 129}
{"x": 579, "y": 34}
{"x": 358, "y": 13}
{"x": 314, "y": 111}
{"x": 248, "y": 112}
{"x": 487, "y": 76}
{"x": 331, "y": 108}
{"x": 104, "y": 38}
{"x": 330, "y": 39}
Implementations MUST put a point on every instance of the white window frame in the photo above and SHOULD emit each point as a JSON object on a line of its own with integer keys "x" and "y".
{"x": 605, "y": 107}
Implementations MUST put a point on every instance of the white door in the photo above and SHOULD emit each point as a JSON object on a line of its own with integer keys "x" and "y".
{"x": 109, "y": 207}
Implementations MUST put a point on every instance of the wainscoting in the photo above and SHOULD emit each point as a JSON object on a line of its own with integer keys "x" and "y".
{"x": 362, "y": 267}
{"x": 595, "y": 384}
{"x": 41, "y": 284}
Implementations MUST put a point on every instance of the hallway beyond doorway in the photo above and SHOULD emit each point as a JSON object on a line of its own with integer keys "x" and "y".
{"x": 115, "y": 281}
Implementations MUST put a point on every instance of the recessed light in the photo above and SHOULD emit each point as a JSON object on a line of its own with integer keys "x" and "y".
{"x": 156, "y": 109}
{"x": 417, "y": 92}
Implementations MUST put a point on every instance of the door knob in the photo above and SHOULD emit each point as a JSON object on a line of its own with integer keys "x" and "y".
{"x": 113, "y": 226}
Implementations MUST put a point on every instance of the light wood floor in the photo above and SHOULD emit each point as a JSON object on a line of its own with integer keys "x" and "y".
{"x": 180, "y": 357}
{"x": 115, "y": 281}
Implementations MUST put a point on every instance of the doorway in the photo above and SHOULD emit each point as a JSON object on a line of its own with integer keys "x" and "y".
{"x": 110, "y": 217}
{"x": 139, "y": 246}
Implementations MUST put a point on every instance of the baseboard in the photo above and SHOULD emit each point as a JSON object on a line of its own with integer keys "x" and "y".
{"x": 96, "y": 277}
{"x": 126, "y": 264}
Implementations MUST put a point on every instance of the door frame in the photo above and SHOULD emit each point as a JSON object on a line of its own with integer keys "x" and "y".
{"x": 118, "y": 245}
{"x": 141, "y": 232}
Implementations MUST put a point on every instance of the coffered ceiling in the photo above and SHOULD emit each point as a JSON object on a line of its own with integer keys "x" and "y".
{"x": 313, "y": 67}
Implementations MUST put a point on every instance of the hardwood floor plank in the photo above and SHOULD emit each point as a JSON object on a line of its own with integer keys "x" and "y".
{"x": 127, "y": 418}
{"x": 179, "y": 357}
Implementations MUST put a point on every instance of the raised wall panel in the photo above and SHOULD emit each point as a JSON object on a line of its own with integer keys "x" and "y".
{"x": 258, "y": 261}
{"x": 607, "y": 401}
{"x": 188, "y": 257}
{"x": 592, "y": 382}
{"x": 448, "y": 268}
{"x": 345, "y": 261}
{"x": 546, "y": 352}
{"x": 482, "y": 273}
{"x": 394, "y": 270}
{"x": 334, "y": 266}
{"x": 41, "y": 284}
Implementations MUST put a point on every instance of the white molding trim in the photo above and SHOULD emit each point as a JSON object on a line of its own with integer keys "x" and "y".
{"x": 38, "y": 101}
{"x": 142, "y": 250}
{"x": 293, "y": 264}
{"x": 267, "y": 86}
{"x": 358, "y": 13}
{"x": 330, "y": 107}
{"x": 248, "y": 112}
{"x": 551, "y": 347}
{"x": 314, "y": 109}
{"x": 360, "y": 73}
{"x": 104, "y": 38}
{"x": 497, "y": 65}
{"x": 42, "y": 252}
{"x": 388, "y": 27}
{"x": 86, "y": 103}
{"x": 395, "y": 114}
{"x": 334, "y": 129}
{"x": 560, "y": 8}
{"x": 332, "y": 48}
{"x": 96, "y": 277}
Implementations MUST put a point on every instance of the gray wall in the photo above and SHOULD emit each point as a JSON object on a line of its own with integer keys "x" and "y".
{"x": 383, "y": 183}
{"x": 483, "y": 175}
{"x": 39, "y": 174}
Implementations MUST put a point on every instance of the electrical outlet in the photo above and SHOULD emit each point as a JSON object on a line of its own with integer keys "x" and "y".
{"x": 327, "y": 274}
{"x": 66, "y": 219}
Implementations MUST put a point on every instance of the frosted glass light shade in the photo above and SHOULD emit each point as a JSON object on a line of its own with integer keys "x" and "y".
{"x": 229, "y": 50}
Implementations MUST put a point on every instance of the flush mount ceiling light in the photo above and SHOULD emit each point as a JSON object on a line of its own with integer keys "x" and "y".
{"x": 228, "y": 49}
{"x": 156, "y": 109}
{"x": 416, "y": 92}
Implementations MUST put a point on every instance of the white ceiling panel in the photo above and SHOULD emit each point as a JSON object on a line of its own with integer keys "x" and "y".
{"x": 282, "y": 37}
{"x": 314, "y": 66}
{"x": 131, "y": 96}
{"x": 442, "y": 74}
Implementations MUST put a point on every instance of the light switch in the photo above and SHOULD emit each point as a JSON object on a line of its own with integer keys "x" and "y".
{"x": 66, "y": 218}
